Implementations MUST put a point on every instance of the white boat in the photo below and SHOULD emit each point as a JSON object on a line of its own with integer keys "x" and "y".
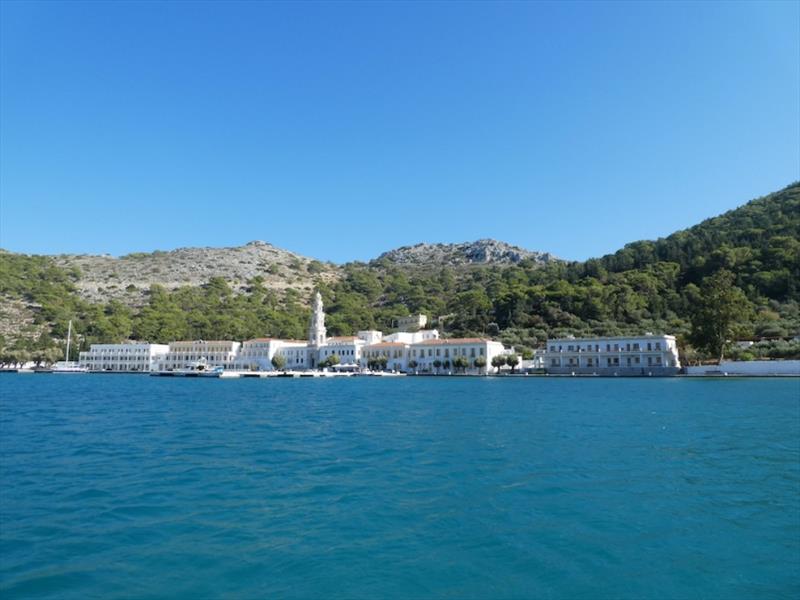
{"x": 199, "y": 368}
{"x": 68, "y": 366}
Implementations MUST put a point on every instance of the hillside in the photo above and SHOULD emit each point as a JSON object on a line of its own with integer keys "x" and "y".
{"x": 484, "y": 287}
{"x": 128, "y": 278}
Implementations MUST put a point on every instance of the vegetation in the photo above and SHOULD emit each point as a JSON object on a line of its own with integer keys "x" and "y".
{"x": 278, "y": 362}
{"x": 460, "y": 363}
{"x": 719, "y": 310}
{"x": 512, "y": 360}
{"x": 331, "y": 361}
{"x": 498, "y": 361}
{"x": 378, "y": 363}
{"x": 747, "y": 260}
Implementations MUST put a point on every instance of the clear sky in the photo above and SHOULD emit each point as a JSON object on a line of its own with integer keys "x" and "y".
{"x": 341, "y": 130}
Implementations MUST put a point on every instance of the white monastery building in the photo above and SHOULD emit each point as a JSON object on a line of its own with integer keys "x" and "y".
{"x": 633, "y": 355}
{"x": 132, "y": 357}
{"x": 215, "y": 353}
{"x": 410, "y": 350}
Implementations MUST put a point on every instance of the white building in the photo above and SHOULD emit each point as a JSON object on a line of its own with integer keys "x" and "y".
{"x": 371, "y": 336}
{"x": 627, "y": 355}
{"x": 412, "y": 337}
{"x": 346, "y": 348}
{"x": 435, "y": 355}
{"x": 256, "y": 354}
{"x": 395, "y": 354}
{"x": 132, "y": 357}
{"x": 411, "y": 322}
{"x": 426, "y": 354}
{"x": 216, "y": 353}
{"x": 297, "y": 355}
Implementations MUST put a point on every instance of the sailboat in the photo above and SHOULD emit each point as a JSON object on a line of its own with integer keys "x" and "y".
{"x": 66, "y": 365}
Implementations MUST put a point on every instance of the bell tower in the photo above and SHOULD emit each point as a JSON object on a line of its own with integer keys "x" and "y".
{"x": 317, "y": 334}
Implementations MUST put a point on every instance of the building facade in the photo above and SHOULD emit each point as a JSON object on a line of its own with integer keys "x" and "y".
{"x": 131, "y": 357}
{"x": 215, "y": 353}
{"x": 435, "y": 355}
{"x": 624, "y": 356}
{"x": 257, "y": 354}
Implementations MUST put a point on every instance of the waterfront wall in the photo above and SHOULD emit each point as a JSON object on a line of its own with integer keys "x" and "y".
{"x": 651, "y": 371}
{"x": 752, "y": 368}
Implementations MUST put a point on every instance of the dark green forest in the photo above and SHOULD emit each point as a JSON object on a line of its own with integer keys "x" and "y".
{"x": 647, "y": 286}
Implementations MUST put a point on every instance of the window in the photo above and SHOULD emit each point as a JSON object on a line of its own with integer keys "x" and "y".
{"x": 658, "y": 345}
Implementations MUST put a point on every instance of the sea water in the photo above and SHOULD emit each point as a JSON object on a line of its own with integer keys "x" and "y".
{"x": 143, "y": 487}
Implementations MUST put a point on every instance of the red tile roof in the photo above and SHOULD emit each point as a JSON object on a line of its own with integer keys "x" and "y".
{"x": 451, "y": 341}
{"x": 203, "y": 342}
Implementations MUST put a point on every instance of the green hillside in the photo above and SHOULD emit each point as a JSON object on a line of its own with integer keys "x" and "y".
{"x": 645, "y": 286}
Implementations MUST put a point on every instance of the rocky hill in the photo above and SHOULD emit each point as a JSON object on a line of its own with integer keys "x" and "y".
{"x": 481, "y": 252}
{"x": 127, "y": 278}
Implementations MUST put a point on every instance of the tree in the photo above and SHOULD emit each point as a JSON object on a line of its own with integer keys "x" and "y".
{"x": 333, "y": 360}
{"x": 412, "y": 364}
{"x": 377, "y": 363}
{"x": 498, "y": 361}
{"x": 279, "y": 362}
{"x": 21, "y": 357}
{"x": 479, "y": 362}
{"x": 460, "y": 363}
{"x": 720, "y": 312}
{"x": 437, "y": 364}
{"x": 512, "y": 360}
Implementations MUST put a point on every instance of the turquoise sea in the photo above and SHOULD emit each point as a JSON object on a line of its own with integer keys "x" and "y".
{"x": 143, "y": 487}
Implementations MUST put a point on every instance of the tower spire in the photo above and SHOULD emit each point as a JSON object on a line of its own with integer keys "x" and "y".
{"x": 317, "y": 334}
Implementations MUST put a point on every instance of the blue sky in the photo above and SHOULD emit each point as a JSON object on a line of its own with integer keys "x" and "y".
{"x": 341, "y": 130}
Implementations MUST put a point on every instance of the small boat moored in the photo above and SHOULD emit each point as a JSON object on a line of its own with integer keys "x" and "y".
{"x": 199, "y": 368}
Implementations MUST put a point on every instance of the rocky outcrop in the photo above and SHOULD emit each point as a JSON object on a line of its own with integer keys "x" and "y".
{"x": 484, "y": 251}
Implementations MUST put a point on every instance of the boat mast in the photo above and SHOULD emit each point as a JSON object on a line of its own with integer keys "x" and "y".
{"x": 69, "y": 335}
